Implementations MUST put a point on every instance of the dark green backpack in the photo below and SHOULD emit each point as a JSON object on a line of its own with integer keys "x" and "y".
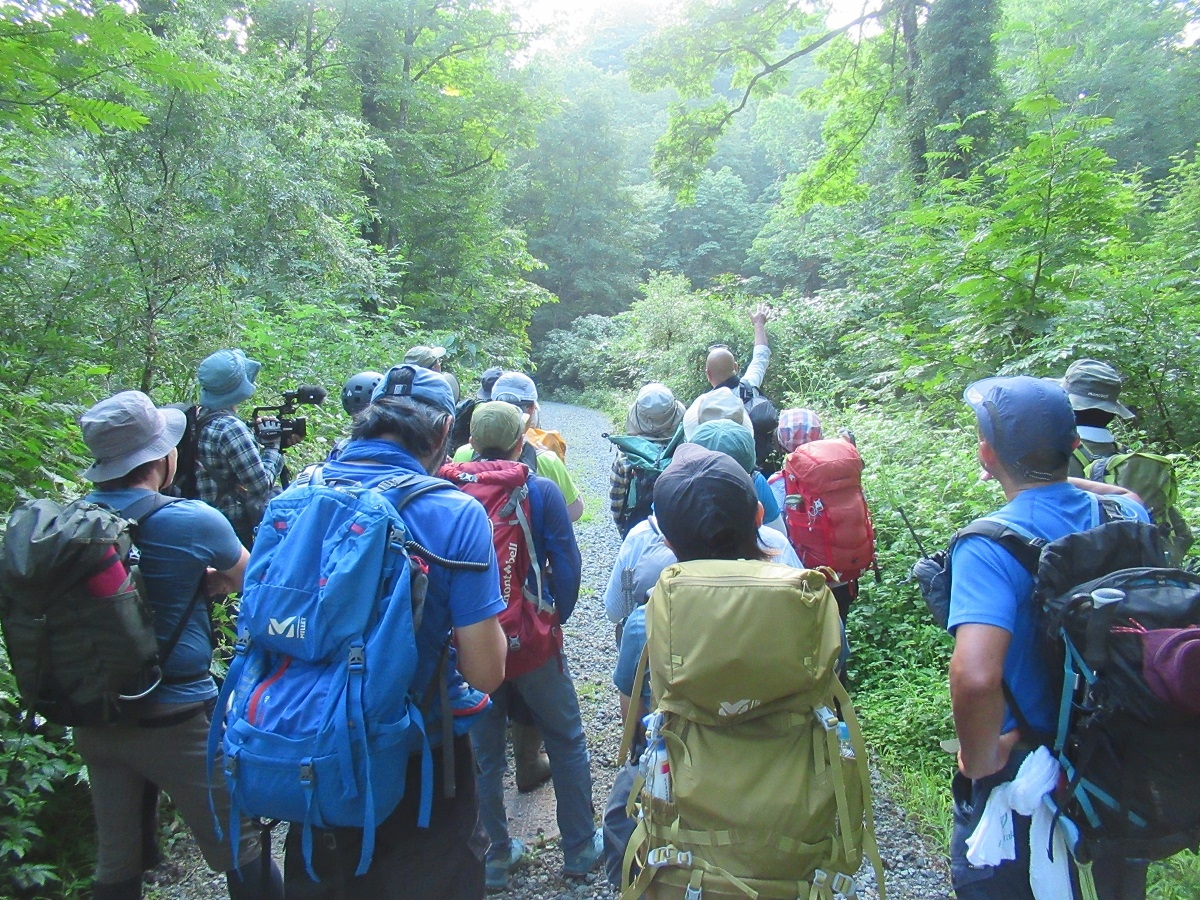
{"x": 1152, "y": 477}
{"x": 647, "y": 460}
{"x": 76, "y": 623}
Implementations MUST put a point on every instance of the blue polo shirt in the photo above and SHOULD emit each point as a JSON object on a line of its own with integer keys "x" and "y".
{"x": 448, "y": 523}
{"x": 989, "y": 587}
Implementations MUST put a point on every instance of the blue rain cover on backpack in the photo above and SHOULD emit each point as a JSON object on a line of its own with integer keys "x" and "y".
{"x": 321, "y": 715}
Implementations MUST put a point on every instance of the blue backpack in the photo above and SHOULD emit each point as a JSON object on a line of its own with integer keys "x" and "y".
{"x": 320, "y": 710}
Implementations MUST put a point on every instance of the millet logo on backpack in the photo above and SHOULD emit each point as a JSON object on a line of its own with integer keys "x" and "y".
{"x": 291, "y": 627}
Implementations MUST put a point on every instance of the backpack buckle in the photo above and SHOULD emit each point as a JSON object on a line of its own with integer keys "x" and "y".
{"x": 820, "y": 879}
{"x": 307, "y": 774}
{"x": 358, "y": 657}
{"x": 242, "y": 644}
{"x": 843, "y": 886}
{"x": 668, "y": 856}
{"x": 827, "y": 719}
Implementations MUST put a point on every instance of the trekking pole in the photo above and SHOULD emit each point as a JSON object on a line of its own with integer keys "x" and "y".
{"x": 912, "y": 531}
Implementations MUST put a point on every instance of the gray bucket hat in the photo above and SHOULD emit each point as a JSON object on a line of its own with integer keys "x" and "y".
{"x": 655, "y": 413}
{"x": 226, "y": 379}
{"x": 127, "y": 430}
{"x": 1092, "y": 384}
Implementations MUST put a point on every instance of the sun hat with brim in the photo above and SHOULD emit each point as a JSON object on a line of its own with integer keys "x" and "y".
{"x": 719, "y": 403}
{"x": 729, "y": 438}
{"x": 408, "y": 380}
{"x": 424, "y": 356}
{"x": 127, "y": 430}
{"x": 1092, "y": 384}
{"x": 226, "y": 379}
{"x": 515, "y": 387}
{"x": 1019, "y": 416}
{"x": 655, "y": 413}
{"x": 704, "y": 500}
{"x": 496, "y": 427}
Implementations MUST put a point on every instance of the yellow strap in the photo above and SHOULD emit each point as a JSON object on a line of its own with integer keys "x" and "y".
{"x": 870, "y": 845}
{"x": 637, "y": 841}
{"x": 843, "y": 800}
{"x": 1087, "y": 883}
{"x": 632, "y": 715}
{"x": 635, "y": 793}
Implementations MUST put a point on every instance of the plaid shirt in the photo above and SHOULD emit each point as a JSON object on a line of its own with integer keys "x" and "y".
{"x": 619, "y": 481}
{"x": 233, "y": 473}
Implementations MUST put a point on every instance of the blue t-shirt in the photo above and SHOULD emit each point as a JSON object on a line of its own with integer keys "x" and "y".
{"x": 449, "y": 524}
{"x": 178, "y": 544}
{"x": 989, "y": 587}
{"x": 766, "y": 497}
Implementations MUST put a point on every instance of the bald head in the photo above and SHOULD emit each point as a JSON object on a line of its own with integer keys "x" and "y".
{"x": 720, "y": 366}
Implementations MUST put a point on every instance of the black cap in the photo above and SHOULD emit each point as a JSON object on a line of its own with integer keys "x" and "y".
{"x": 705, "y": 503}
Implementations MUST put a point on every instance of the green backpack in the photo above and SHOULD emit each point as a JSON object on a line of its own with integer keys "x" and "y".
{"x": 647, "y": 460}
{"x": 1152, "y": 477}
{"x": 751, "y": 785}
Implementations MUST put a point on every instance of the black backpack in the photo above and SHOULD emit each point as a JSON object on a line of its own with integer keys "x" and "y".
{"x": 460, "y": 433}
{"x": 1130, "y": 756}
{"x": 765, "y": 419}
{"x": 184, "y": 484}
{"x": 77, "y": 626}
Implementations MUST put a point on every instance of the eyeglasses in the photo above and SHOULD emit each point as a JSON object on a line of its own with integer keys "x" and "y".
{"x": 718, "y": 346}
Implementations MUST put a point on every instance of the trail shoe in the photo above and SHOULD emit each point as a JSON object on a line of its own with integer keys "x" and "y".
{"x": 532, "y": 764}
{"x": 578, "y": 865}
{"x": 499, "y": 868}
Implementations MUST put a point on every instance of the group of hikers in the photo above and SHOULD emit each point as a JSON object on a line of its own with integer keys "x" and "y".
{"x": 400, "y": 617}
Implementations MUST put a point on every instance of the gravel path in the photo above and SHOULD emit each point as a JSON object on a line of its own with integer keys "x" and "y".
{"x": 914, "y": 871}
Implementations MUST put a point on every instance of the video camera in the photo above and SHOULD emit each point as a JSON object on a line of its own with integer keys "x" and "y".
{"x": 280, "y": 423}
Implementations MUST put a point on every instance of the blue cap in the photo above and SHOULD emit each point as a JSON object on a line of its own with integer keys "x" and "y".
{"x": 419, "y": 383}
{"x": 1021, "y": 415}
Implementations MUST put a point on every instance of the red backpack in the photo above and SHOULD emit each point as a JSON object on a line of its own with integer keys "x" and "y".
{"x": 530, "y": 622}
{"x": 824, "y": 508}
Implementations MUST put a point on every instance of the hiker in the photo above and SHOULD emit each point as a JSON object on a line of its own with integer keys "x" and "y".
{"x": 235, "y": 471}
{"x": 541, "y": 600}
{"x": 518, "y": 389}
{"x": 796, "y": 427}
{"x": 431, "y": 358}
{"x": 654, "y": 417}
{"x": 1093, "y": 388}
{"x": 404, "y": 432}
{"x": 720, "y": 406}
{"x": 721, "y": 369}
{"x": 1027, "y": 435}
{"x": 487, "y": 381}
{"x": 720, "y": 753}
{"x": 187, "y": 549}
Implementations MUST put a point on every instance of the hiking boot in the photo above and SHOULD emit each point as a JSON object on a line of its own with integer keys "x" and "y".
{"x": 497, "y": 870}
{"x": 531, "y": 763}
{"x": 578, "y": 865}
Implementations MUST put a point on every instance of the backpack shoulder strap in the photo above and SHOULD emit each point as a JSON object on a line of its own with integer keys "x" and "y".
{"x": 414, "y": 486}
{"x": 1025, "y": 548}
{"x": 141, "y": 509}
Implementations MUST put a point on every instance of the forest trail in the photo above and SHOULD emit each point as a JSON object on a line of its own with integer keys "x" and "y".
{"x": 914, "y": 871}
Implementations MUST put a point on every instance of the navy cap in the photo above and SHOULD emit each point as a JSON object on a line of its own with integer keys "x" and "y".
{"x": 1019, "y": 416}
{"x": 704, "y": 501}
{"x": 419, "y": 383}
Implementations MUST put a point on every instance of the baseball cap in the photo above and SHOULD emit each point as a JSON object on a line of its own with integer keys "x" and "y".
{"x": 127, "y": 430}
{"x": 655, "y": 413}
{"x": 487, "y": 381}
{"x": 226, "y": 379}
{"x": 729, "y": 438}
{"x": 423, "y": 356}
{"x": 704, "y": 501}
{"x": 515, "y": 387}
{"x": 408, "y": 380}
{"x": 1019, "y": 416}
{"x": 1092, "y": 384}
{"x": 719, "y": 403}
{"x": 496, "y": 426}
{"x": 796, "y": 427}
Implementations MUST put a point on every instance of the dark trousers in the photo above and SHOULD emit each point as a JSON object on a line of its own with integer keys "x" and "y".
{"x": 1116, "y": 878}
{"x": 442, "y": 862}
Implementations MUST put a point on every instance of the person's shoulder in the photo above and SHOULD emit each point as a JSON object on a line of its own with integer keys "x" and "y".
{"x": 546, "y": 486}
{"x": 548, "y": 461}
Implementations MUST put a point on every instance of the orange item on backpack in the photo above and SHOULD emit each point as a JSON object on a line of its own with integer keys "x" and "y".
{"x": 548, "y": 440}
{"x": 825, "y": 511}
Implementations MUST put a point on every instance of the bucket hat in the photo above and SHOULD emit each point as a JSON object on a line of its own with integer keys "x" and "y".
{"x": 226, "y": 379}
{"x": 127, "y": 430}
{"x": 729, "y": 438}
{"x": 719, "y": 403}
{"x": 423, "y": 356}
{"x": 655, "y": 413}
